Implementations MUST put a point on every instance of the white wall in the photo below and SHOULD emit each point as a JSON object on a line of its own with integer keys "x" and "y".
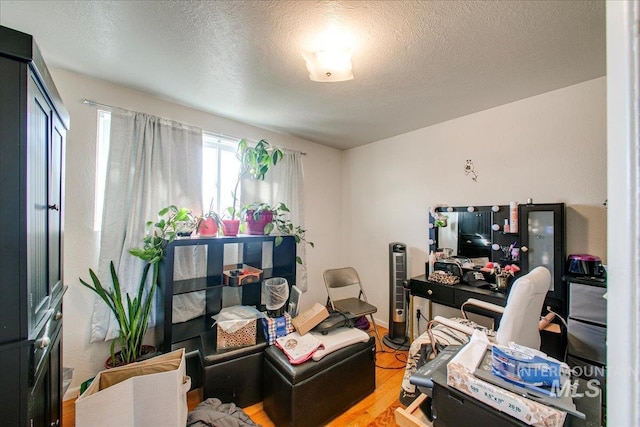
{"x": 322, "y": 167}
{"x": 550, "y": 148}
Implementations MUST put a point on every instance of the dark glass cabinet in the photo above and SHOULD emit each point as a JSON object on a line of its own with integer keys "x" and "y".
{"x": 33, "y": 125}
{"x": 479, "y": 232}
{"x": 542, "y": 237}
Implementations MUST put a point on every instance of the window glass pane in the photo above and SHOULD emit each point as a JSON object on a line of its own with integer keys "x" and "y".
{"x": 220, "y": 171}
{"x": 229, "y": 166}
{"x": 209, "y": 177}
{"x": 102, "y": 156}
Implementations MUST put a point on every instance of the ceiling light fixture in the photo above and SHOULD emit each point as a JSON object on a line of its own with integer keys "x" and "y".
{"x": 329, "y": 65}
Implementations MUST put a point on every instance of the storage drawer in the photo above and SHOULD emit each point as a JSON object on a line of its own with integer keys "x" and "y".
{"x": 441, "y": 294}
{"x": 462, "y": 296}
{"x": 589, "y": 371}
{"x": 587, "y": 341}
{"x": 587, "y": 303}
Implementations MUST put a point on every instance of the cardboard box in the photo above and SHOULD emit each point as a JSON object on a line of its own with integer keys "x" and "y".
{"x": 460, "y": 377}
{"x": 310, "y": 318}
{"x": 148, "y": 393}
{"x": 241, "y": 274}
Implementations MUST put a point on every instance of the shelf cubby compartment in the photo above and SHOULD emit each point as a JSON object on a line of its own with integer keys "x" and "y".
{"x": 280, "y": 261}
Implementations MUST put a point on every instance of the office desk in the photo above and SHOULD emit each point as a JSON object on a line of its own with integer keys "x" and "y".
{"x": 454, "y": 296}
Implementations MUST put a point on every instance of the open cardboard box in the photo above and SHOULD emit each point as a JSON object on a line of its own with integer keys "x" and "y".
{"x": 460, "y": 376}
{"x": 241, "y": 274}
{"x": 149, "y": 393}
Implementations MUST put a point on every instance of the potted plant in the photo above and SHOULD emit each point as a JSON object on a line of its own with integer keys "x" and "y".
{"x": 258, "y": 218}
{"x": 263, "y": 218}
{"x": 187, "y": 225}
{"x": 255, "y": 162}
{"x": 209, "y": 223}
{"x": 133, "y": 317}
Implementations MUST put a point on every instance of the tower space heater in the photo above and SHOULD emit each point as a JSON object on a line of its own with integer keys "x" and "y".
{"x": 398, "y": 298}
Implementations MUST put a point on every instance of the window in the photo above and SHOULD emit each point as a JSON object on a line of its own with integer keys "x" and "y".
{"x": 219, "y": 169}
{"x": 102, "y": 156}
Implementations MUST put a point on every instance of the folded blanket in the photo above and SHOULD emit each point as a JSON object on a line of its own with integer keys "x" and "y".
{"x": 213, "y": 413}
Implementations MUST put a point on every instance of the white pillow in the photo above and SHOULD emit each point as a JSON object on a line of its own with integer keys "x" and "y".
{"x": 337, "y": 339}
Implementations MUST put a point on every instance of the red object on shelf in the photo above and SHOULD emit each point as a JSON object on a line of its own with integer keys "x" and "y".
{"x": 230, "y": 227}
{"x": 256, "y": 227}
{"x": 208, "y": 227}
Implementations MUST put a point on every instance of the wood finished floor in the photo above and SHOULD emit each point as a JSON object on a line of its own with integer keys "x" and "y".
{"x": 379, "y": 404}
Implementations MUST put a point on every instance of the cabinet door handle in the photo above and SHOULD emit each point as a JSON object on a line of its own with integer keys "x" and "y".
{"x": 43, "y": 342}
{"x": 54, "y": 207}
{"x": 57, "y": 316}
{"x": 524, "y": 249}
{"x": 430, "y": 292}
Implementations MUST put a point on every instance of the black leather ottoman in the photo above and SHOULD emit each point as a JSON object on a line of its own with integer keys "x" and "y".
{"x": 233, "y": 375}
{"x": 313, "y": 393}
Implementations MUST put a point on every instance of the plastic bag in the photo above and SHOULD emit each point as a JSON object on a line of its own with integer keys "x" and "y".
{"x": 230, "y": 319}
{"x": 277, "y": 292}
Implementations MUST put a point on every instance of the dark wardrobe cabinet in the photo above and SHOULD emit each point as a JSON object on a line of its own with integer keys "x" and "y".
{"x": 33, "y": 125}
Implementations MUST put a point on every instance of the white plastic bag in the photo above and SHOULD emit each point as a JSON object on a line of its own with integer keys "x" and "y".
{"x": 230, "y": 319}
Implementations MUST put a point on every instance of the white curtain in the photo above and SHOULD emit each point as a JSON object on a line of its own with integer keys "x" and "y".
{"x": 152, "y": 163}
{"x": 283, "y": 183}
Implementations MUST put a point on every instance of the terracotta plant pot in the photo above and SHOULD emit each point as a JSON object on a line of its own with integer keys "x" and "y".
{"x": 257, "y": 227}
{"x": 208, "y": 227}
{"x": 230, "y": 227}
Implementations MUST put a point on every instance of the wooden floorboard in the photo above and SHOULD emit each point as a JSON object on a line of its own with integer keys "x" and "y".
{"x": 377, "y": 406}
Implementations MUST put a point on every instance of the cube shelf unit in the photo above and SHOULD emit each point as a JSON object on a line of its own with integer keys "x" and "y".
{"x": 169, "y": 335}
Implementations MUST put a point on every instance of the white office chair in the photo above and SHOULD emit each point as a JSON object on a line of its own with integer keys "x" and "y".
{"x": 520, "y": 322}
{"x": 357, "y": 306}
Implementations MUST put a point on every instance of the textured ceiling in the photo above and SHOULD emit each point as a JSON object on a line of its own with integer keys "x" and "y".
{"x": 416, "y": 63}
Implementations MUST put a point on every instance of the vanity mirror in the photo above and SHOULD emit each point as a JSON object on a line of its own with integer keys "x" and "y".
{"x": 467, "y": 231}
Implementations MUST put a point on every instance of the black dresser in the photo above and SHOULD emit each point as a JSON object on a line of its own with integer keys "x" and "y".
{"x": 587, "y": 330}
{"x": 33, "y": 125}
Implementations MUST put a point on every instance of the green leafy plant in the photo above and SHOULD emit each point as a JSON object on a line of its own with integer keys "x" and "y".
{"x": 255, "y": 162}
{"x": 133, "y": 318}
{"x": 280, "y": 222}
{"x": 159, "y": 232}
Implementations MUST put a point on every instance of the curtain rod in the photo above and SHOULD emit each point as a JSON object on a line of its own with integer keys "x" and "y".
{"x": 98, "y": 104}
{"x": 95, "y": 104}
